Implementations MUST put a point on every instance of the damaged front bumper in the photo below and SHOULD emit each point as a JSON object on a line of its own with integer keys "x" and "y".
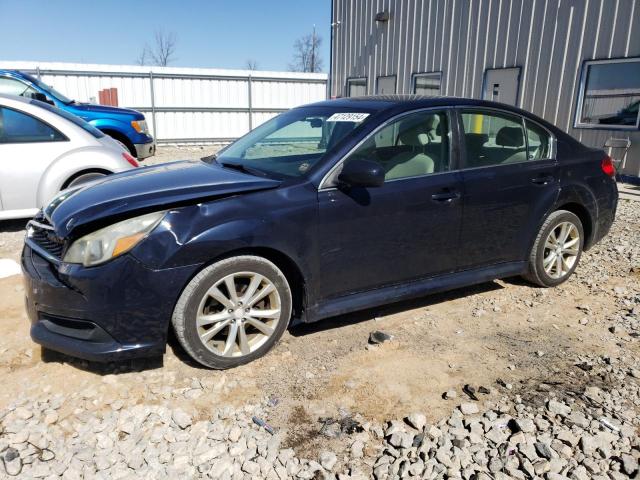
{"x": 115, "y": 311}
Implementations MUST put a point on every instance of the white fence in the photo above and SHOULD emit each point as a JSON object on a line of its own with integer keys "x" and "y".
{"x": 186, "y": 105}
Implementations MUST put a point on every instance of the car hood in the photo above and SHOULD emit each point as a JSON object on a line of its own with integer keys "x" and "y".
{"x": 147, "y": 189}
{"x": 80, "y": 108}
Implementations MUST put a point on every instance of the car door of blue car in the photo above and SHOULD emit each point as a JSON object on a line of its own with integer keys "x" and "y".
{"x": 510, "y": 182}
{"x": 406, "y": 229}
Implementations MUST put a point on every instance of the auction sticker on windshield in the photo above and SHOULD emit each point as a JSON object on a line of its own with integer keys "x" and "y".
{"x": 347, "y": 117}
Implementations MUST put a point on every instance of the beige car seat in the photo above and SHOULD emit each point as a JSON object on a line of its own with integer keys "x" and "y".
{"x": 414, "y": 162}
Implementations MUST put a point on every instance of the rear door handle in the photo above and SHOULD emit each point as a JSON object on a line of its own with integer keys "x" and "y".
{"x": 445, "y": 197}
{"x": 543, "y": 180}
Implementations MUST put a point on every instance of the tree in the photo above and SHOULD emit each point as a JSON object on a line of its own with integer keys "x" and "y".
{"x": 143, "y": 57}
{"x": 162, "y": 52}
{"x": 306, "y": 53}
{"x": 251, "y": 64}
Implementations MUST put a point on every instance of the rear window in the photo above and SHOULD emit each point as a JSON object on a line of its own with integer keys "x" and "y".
{"x": 87, "y": 127}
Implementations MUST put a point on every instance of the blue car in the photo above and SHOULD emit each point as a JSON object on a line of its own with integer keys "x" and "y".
{"x": 128, "y": 127}
{"x": 326, "y": 209}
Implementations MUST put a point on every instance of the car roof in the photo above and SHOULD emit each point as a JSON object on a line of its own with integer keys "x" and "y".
{"x": 383, "y": 102}
{"x": 14, "y": 73}
{"x": 399, "y": 103}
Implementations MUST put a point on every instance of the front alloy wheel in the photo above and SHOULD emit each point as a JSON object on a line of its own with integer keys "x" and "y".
{"x": 238, "y": 314}
{"x": 556, "y": 250}
{"x": 233, "y": 311}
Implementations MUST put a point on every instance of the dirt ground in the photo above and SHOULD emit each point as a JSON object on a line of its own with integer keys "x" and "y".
{"x": 496, "y": 333}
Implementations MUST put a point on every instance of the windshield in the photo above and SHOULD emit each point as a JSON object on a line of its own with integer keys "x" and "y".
{"x": 291, "y": 143}
{"x": 87, "y": 127}
{"x": 49, "y": 89}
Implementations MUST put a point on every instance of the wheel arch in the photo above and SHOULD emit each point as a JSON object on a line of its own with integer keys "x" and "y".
{"x": 583, "y": 214}
{"x": 79, "y": 173}
{"x": 580, "y": 200}
{"x": 290, "y": 269}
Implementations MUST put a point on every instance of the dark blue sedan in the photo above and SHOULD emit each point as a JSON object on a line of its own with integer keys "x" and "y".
{"x": 326, "y": 209}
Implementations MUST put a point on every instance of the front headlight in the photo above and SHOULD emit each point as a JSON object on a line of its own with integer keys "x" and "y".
{"x": 140, "y": 126}
{"x": 112, "y": 241}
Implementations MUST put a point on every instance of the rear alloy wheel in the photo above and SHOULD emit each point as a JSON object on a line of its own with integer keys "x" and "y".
{"x": 233, "y": 312}
{"x": 557, "y": 249}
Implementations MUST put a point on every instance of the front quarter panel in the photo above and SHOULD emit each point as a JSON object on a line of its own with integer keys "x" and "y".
{"x": 122, "y": 126}
{"x": 281, "y": 219}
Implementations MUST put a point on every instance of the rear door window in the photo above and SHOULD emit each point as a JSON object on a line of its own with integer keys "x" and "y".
{"x": 493, "y": 138}
{"x": 18, "y": 127}
{"x": 538, "y": 142}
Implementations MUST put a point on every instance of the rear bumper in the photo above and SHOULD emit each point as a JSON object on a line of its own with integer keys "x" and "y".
{"x": 144, "y": 150}
{"x": 116, "y": 311}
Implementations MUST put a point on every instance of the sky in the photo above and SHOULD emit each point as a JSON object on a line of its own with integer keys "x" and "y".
{"x": 213, "y": 33}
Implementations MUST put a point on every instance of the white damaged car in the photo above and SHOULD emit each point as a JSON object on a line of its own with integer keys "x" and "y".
{"x": 44, "y": 150}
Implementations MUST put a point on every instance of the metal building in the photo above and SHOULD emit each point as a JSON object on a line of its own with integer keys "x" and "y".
{"x": 574, "y": 62}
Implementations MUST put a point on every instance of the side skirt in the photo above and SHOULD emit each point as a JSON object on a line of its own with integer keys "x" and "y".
{"x": 418, "y": 288}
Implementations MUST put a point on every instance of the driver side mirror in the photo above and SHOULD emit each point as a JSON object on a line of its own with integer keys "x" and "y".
{"x": 359, "y": 172}
{"x": 41, "y": 97}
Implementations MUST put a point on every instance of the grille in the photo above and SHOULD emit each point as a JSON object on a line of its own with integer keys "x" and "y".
{"x": 42, "y": 234}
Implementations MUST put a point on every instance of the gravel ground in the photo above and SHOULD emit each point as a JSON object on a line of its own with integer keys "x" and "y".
{"x": 169, "y": 153}
{"x": 497, "y": 381}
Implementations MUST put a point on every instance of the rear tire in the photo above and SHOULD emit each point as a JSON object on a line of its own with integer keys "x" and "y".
{"x": 557, "y": 250}
{"x": 233, "y": 312}
{"x": 84, "y": 178}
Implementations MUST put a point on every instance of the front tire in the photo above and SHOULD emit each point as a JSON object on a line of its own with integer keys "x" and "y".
{"x": 233, "y": 312}
{"x": 557, "y": 250}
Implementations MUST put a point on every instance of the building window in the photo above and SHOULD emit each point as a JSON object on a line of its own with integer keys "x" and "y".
{"x": 427, "y": 83}
{"x": 386, "y": 85}
{"x": 609, "y": 95}
{"x": 356, "y": 87}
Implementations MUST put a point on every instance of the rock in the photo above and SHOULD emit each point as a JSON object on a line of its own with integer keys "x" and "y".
{"x": 357, "y": 449}
{"x": 252, "y": 468}
{"x": 181, "y": 418}
{"x": 468, "y": 408}
{"x": 51, "y": 418}
{"x": 526, "y": 425}
{"x": 567, "y": 437}
{"x": 543, "y": 450}
{"x": 449, "y": 395}
{"x": 401, "y": 440}
{"x": 328, "y": 460}
{"x": 417, "y": 420}
{"x": 629, "y": 464}
{"x": 558, "y": 408}
{"x": 377, "y": 337}
{"x": 23, "y": 413}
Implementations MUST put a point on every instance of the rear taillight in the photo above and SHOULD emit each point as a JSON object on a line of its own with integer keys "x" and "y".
{"x": 607, "y": 166}
{"x": 130, "y": 159}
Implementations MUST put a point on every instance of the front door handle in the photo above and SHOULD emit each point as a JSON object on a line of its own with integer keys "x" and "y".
{"x": 445, "y": 197}
{"x": 543, "y": 180}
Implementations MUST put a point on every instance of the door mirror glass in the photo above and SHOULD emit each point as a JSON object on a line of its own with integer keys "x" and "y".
{"x": 360, "y": 172}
